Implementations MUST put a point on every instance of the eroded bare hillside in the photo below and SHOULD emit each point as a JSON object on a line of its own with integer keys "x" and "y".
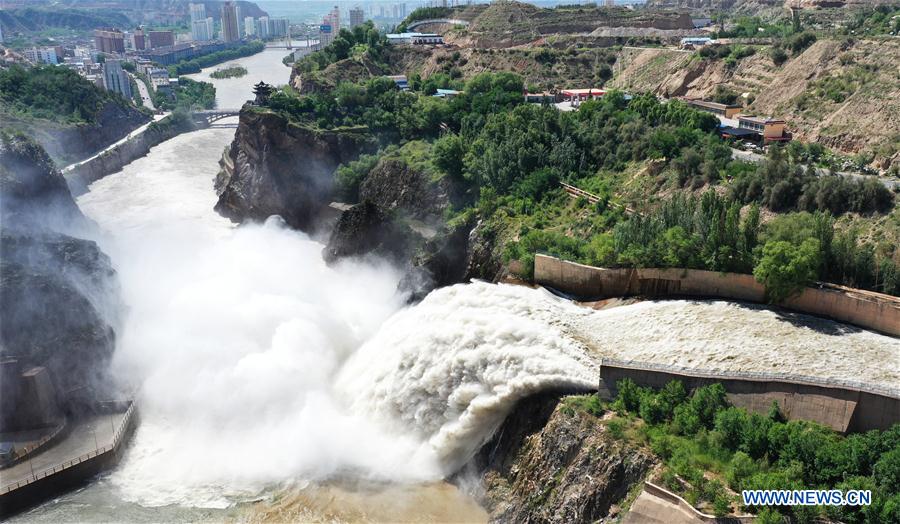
{"x": 844, "y": 94}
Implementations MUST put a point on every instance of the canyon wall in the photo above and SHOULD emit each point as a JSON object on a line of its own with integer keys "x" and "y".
{"x": 59, "y": 295}
{"x": 274, "y": 167}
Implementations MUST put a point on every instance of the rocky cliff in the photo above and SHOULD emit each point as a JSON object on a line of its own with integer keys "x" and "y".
{"x": 402, "y": 217}
{"x": 555, "y": 461}
{"x": 58, "y": 292}
{"x": 70, "y": 143}
{"x": 277, "y": 168}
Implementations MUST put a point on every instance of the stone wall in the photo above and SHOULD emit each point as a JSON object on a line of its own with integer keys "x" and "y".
{"x": 866, "y": 309}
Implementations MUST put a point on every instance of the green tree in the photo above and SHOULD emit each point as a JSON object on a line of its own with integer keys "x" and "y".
{"x": 786, "y": 268}
{"x": 448, "y": 154}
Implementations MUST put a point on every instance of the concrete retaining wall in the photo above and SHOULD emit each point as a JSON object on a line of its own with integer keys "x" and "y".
{"x": 844, "y": 407}
{"x": 866, "y": 309}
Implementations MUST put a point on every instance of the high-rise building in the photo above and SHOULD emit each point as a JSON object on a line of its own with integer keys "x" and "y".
{"x": 198, "y": 12}
{"x": 331, "y": 25}
{"x": 279, "y": 27}
{"x": 200, "y": 30}
{"x": 356, "y": 17}
{"x": 249, "y": 26}
{"x": 262, "y": 27}
{"x": 140, "y": 41}
{"x": 109, "y": 40}
{"x": 230, "y": 31}
{"x": 115, "y": 79}
{"x": 161, "y": 39}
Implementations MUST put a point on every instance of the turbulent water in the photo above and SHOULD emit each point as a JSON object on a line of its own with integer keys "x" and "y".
{"x": 256, "y": 366}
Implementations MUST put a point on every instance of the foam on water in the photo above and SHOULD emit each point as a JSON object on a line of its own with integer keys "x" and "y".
{"x": 243, "y": 344}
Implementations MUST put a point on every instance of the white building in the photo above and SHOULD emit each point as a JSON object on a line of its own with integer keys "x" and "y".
{"x": 238, "y": 17}
{"x": 262, "y": 27}
{"x": 198, "y": 12}
{"x": 41, "y": 55}
{"x": 115, "y": 79}
{"x": 249, "y": 26}
{"x": 200, "y": 31}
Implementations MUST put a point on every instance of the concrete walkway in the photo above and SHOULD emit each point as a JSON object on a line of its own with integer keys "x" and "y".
{"x": 650, "y": 509}
{"x": 80, "y": 441}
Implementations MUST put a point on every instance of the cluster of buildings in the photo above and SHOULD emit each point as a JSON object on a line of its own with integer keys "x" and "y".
{"x": 233, "y": 26}
{"x": 743, "y": 127}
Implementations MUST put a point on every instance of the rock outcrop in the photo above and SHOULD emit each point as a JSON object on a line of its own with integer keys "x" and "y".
{"x": 401, "y": 217}
{"x": 366, "y": 229}
{"x": 278, "y": 168}
{"x": 71, "y": 143}
{"x": 552, "y": 462}
{"x": 58, "y": 292}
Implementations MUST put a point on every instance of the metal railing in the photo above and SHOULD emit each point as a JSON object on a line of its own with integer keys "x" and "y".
{"x": 117, "y": 438}
{"x": 756, "y": 376}
{"x": 592, "y": 198}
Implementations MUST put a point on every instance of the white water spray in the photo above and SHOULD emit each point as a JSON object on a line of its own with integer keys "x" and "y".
{"x": 257, "y": 364}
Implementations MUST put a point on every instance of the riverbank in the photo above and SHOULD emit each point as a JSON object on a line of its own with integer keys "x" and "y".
{"x": 136, "y": 145}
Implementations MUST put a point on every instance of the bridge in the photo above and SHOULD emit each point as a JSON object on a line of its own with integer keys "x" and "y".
{"x": 214, "y": 115}
{"x": 449, "y": 21}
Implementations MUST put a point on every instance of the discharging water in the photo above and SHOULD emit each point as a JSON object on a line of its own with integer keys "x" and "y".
{"x": 260, "y": 370}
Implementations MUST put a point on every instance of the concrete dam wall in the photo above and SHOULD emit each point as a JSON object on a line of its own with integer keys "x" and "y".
{"x": 866, "y": 309}
{"x": 842, "y": 406}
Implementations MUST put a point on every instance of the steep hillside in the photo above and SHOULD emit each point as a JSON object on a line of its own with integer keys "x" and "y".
{"x": 506, "y": 24}
{"x": 844, "y": 94}
{"x": 69, "y": 116}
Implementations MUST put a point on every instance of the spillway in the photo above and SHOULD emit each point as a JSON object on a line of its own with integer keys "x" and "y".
{"x": 258, "y": 367}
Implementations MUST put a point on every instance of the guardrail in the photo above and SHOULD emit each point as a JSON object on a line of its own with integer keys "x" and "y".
{"x": 761, "y": 376}
{"x": 592, "y": 198}
{"x": 30, "y": 449}
{"x": 117, "y": 439}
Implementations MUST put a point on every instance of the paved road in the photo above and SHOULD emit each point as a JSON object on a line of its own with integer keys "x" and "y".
{"x": 145, "y": 93}
{"x": 80, "y": 440}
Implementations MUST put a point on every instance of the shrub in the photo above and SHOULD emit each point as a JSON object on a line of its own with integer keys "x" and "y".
{"x": 731, "y": 424}
{"x": 629, "y": 395}
{"x": 740, "y": 468}
{"x": 778, "y": 56}
{"x": 801, "y": 41}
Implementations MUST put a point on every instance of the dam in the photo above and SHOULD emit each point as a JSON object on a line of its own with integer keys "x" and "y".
{"x": 260, "y": 368}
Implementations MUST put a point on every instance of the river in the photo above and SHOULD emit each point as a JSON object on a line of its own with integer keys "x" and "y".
{"x": 272, "y": 386}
